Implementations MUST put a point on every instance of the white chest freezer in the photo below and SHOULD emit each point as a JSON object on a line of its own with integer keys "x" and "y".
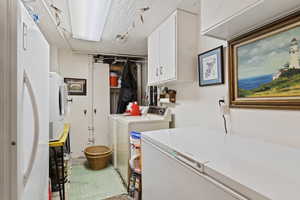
{"x": 194, "y": 163}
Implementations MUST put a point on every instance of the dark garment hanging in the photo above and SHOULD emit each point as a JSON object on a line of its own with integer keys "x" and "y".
{"x": 128, "y": 92}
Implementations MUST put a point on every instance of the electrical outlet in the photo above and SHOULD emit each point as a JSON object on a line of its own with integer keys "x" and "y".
{"x": 224, "y": 108}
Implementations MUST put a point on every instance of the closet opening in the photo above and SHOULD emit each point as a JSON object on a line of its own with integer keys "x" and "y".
{"x": 128, "y": 78}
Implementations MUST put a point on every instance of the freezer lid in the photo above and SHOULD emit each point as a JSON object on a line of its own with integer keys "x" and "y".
{"x": 177, "y": 152}
{"x": 198, "y": 170}
{"x": 190, "y": 142}
{"x": 259, "y": 169}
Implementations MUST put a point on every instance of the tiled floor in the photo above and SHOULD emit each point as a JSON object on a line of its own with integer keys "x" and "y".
{"x": 95, "y": 185}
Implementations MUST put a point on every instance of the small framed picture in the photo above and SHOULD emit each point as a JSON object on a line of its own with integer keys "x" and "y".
{"x": 76, "y": 86}
{"x": 210, "y": 67}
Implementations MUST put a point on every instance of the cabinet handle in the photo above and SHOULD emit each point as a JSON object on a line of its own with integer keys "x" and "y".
{"x": 25, "y": 30}
{"x": 161, "y": 70}
{"x": 156, "y": 72}
{"x": 190, "y": 162}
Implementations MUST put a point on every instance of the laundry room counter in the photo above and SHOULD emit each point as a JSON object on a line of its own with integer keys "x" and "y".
{"x": 255, "y": 169}
{"x": 63, "y": 137}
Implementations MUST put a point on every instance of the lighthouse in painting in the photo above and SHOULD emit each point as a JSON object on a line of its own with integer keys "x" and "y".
{"x": 294, "y": 54}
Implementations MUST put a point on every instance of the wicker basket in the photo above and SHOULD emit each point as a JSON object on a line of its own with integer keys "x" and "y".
{"x": 98, "y": 156}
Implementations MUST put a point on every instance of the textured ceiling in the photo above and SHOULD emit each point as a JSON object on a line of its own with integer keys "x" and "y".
{"x": 64, "y": 15}
{"x": 122, "y": 15}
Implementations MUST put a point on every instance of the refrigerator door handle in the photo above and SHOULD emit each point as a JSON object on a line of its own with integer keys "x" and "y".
{"x": 33, "y": 155}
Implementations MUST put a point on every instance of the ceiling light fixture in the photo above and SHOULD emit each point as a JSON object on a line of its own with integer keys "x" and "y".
{"x": 142, "y": 11}
{"x": 88, "y": 18}
{"x": 122, "y": 38}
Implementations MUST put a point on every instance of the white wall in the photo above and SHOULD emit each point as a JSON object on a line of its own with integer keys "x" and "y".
{"x": 199, "y": 107}
{"x": 54, "y": 66}
{"x": 77, "y": 66}
{"x": 97, "y": 76}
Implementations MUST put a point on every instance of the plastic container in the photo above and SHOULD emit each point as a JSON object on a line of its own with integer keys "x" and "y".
{"x": 98, "y": 156}
{"x": 135, "y": 138}
{"x": 135, "y": 152}
{"x": 135, "y": 109}
{"x": 113, "y": 79}
{"x": 135, "y": 143}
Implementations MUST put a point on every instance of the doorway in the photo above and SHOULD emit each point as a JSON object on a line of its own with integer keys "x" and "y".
{"x": 88, "y": 119}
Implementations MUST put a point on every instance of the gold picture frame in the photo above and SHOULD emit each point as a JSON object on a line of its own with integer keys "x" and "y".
{"x": 264, "y": 66}
{"x": 76, "y": 86}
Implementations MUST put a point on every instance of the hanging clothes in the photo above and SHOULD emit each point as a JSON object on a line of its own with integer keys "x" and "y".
{"x": 128, "y": 92}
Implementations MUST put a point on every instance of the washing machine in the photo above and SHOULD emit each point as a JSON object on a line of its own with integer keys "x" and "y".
{"x": 156, "y": 118}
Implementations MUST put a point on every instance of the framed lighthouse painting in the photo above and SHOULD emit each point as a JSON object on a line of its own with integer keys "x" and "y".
{"x": 264, "y": 67}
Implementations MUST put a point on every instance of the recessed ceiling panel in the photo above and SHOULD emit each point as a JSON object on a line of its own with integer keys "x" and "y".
{"x": 88, "y": 18}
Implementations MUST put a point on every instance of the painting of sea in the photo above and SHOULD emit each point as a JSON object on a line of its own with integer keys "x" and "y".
{"x": 270, "y": 66}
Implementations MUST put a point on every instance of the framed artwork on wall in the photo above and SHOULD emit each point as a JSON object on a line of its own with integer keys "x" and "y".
{"x": 210, "y": 67}
{"x": 264, "y": 67}
{"x": 76, "y": 86}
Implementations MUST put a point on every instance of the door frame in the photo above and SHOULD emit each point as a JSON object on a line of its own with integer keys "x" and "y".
{"x": 9, "y": 172}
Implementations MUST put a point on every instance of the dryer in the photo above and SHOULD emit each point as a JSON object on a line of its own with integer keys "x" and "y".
{"x": 112, "y": 136}
{"x": 58, "y": 105}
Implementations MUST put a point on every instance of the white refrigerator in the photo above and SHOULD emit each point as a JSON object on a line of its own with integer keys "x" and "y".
{"x": 33, "y": 108}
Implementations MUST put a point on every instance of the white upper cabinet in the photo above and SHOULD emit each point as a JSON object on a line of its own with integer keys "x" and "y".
{"x": 172, "y": 49}
{"x": 222, "y": 10}
{"x": 153, "y": 58}
{"x": 167, "y": 49}
{"x": 229, "y": 19}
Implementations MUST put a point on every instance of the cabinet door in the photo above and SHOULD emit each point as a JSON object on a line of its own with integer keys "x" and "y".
{"x": 218, "y": 11}
{"x": 167, "y": 48}
{"x": 100, "y": 112}
{"x": 153, "y": 58}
